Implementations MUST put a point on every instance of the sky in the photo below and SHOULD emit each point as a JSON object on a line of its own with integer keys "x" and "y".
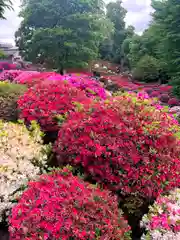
{"x": 138, "y": 15}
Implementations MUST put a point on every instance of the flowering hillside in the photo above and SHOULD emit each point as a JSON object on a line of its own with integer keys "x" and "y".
{"x": 127, "y": 144}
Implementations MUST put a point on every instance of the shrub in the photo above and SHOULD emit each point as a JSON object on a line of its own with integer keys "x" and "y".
{"x": 2, "y": 55}
{"x": 9, "y": 75}
{"x": 124, "y": 144}
{"x": 30, "y": 78}
{"x": 155, "y": 94}
{"x": 163, "y": 220}
{"x": 22, "y": 158}
{"x": 61, "y": 206}
{"x": 9, "y": 94}
{"x": 176, "y": 86}
{"x": 49, "y": 100}
{"x": 164, "y": 98}
{"x": 91, "y": 87}
{"x": 173, "y": 102}
{"x": 165, "y": 88}
{"x": 147, "y": 69}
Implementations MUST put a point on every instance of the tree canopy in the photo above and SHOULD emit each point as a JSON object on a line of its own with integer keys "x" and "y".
{"x": 4, "y": 4}
{"x": 64, "y": 33}
{"x": 160, "y": 41}
{"x": 70, "y": 33}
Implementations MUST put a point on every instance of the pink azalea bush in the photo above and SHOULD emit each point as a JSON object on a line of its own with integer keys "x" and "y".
{"x": 155, "y": 94}
{"x": 83, "y": 82}
{"x": 31, "y": 78}
{"x": 163, "y": 220}
{"x": 10, "y": 75}
{"x": 62, "y": 206}
{"x": 164, "y": 98}
{"x": 162, "y": 92}
{"x": 173, "y": 102}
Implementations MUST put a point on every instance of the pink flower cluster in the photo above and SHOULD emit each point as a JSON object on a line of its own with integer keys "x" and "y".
{"x": 163, "y": 220}
{"x": 30, "y": 78}
{"x": 162, "y": 92}
{"x": 10, "y": 75}
{"x": 83, "y": 82}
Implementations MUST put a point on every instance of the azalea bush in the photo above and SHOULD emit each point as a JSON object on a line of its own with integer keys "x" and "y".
{"x": 163, "y": 220}
{"x": 155, "y": 94}
{"x": 91, "y": 87}
{"x": 126, "y": 144}
{"x": 9, "y": 95}
{"x": 30, "y": 78}
{"x": 62, "y": 206}
{"x": 9, "y": 75}
{"x": 173, "y": 102}
{"x": 49, "y": 103}
{"x": 23, "y": 157}
{"x": 164, "y": 98}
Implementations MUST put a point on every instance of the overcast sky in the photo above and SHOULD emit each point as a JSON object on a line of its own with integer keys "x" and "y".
{"x": 138, "y": 15}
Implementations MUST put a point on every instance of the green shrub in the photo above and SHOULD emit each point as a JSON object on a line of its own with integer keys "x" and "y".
{"x": 147, "y": 69}
{"x": 2, "y": 55}
{"x": 9, "y": 94}
{"x": 176, "y": 85}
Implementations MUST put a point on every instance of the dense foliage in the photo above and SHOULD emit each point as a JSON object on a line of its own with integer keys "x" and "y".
{"x": 160, "y": 41}
{"x": 22, "y": 158}
{"x": 49, "y": 103}
{"x": 4, "y": 4}
{"x": 126, "y": 144}
{"x": 116, "y": 13}
{"x": 70, "y": 35}
{"x": 66, "y": 208}
{"x": 163, "y": 220}
{"x": 2, "y": 55}
{"x": 147, "y": 69}
{"x": 9, "y": 95}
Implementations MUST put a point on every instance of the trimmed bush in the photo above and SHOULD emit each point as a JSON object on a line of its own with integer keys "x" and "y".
{"x": 62, "y": 206}
{"x": 31, "y": 78}
{"x": 49, "y": 102}
{"x": 125, "y": 144}
{"x": 147, "y": 69}
{"x": 173, "y": 102}
{"x": 9, "y": 95}
{"x": 163, "y": 220}
{"x": 164, "y": 98}
{"x": 155, "y": 94}
{"x": 91, "y": 87}
{"x": 22, "y": 158}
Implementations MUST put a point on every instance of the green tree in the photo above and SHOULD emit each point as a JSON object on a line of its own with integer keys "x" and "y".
{"x": 62, "y": 34}
{"x": 167, "y": 17}
{"x": 4, "y": 4}
{"x": 137, "y": 50}
{"x": 116, "y": 13}
{"x": 147, "y": 69}
{"x": 130, "y": 31}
